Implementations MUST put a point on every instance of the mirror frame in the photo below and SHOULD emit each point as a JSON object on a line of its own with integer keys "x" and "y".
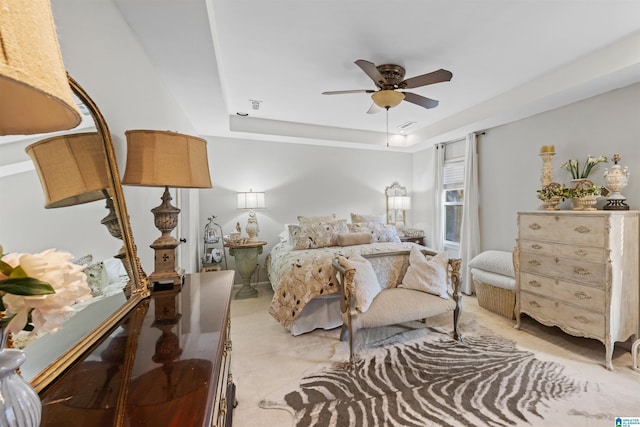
{"x": 395, "y": 215}
{"x": 137, "y": 279}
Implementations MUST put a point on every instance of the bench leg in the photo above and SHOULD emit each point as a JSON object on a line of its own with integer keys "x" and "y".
{"x": 456, "y": 318}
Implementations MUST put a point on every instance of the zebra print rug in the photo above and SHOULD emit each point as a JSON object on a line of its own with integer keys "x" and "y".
{"x": 482, "y": 381}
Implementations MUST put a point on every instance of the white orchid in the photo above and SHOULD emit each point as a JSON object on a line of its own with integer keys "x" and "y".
{"x": 573, "y": 166}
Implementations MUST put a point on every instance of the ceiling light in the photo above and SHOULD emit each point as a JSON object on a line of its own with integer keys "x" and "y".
{"x": 387, "y": 98}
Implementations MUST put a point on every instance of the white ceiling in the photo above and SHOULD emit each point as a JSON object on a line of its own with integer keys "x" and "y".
{"x": 509, "y": 59}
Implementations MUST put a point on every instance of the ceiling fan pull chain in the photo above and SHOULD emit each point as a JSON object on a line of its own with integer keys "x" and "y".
{"x": 387, "y": 127}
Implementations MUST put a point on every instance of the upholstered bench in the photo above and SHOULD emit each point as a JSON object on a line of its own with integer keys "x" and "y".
{"x": 427, "y": 285}
{"x": 494, "y": 281}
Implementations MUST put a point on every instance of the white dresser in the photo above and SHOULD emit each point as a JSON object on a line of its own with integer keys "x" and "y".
{"x": 580, "y": 271}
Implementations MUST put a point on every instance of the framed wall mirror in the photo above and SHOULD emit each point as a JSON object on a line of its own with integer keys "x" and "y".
{"x": 97, "y": 234}
{"x": 397, "y": 203}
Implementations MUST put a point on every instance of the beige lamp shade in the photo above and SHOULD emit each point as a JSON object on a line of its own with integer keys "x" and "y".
{"x": 35, "y": 96}
{"x": 162, "y": 158}
{"x": 251, "y": 200}
{"x": 400, "y": 202}
{"x": 387, "y": 98}
{"x": 72, "y": 168}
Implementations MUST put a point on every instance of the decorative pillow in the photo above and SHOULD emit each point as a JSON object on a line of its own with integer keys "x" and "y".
{"x": 96, "y": 278}
{"x": 427, "y": 275}
{"x": 317, "y": 235}
{"x": 379, "y": 232}
{"x": 350, "y": 239}
{"x": 366, "y": 285}
{"x": 498, "y": 262}
{"x": 114, "y": 270}
{"x": 377, "y": 218}
{"x": 316, "y": 219}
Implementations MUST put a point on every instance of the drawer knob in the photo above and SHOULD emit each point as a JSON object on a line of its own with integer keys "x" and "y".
{"x": 581, "y": 271}
{"x": 581, "y": 319}
{"x": 582, "y": 229}
{"x": 536, "y": 246}
{"x": 582, "y": 295}
{"x": 535, "y": 226}
{"x": 534, "y": 283}
{"x": 535, "y": 263}
{"x": 534, "y": 304}
{"x": 581, "y": 252}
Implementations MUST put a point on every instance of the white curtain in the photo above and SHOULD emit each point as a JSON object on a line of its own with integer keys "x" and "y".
{"x": 437, "y": 236}
{"x": 470, "y": 230}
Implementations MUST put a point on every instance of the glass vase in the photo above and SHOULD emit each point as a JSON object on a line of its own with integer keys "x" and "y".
{"x": 20, "y": 405}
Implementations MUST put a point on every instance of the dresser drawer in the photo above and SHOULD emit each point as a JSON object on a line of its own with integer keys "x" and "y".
{"x": 579, "y": 229}
{"x": 588, "y": 297}
{"x": 563, "y": 268}
{"x": 581, "y": 253}
{"x": 577, "y": 321}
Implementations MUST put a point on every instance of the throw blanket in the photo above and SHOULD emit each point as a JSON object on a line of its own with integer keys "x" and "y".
{"x": 297, "y": 276}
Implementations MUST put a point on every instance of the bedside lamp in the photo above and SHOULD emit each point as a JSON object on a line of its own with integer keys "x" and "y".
{"x": 166, "y": 159}
{"x": 399, "y": 203}
{"x": 36, "y": 96}
{"x": 250, "y": 201}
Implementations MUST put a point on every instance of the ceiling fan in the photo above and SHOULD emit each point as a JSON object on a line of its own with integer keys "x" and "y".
{"x": 389, "y": 78}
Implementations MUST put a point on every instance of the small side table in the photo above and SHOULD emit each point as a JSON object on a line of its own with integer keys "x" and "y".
{"x": 246, "y": 256}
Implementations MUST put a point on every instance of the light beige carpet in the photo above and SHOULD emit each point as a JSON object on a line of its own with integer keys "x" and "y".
{"x": 266, "y": 359}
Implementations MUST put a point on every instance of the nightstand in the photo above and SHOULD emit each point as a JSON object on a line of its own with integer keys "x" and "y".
{"x": 419, "y": 240}
{"x": 246, "y": 256}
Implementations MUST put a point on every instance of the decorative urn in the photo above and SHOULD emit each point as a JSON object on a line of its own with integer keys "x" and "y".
{"x": 615, "y": 180}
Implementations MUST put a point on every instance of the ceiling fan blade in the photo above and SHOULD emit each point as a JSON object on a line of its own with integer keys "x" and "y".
{"x": 370, "y": 69}
{"x": 427, "y": 79}
{"x": 420, "y": 100}
{"x": 374, "y": 109}
{"x": 342, "y": 92}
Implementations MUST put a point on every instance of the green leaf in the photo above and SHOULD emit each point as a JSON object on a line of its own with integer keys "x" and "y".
{"x": 18, "y": 272}
{"x": 26, "y": 286}
{"x": 5, "y": 268}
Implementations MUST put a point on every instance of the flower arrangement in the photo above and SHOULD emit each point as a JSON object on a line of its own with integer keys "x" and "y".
{"x": 37, "y": 290}
{"x": 586, "y": 190}
{"x": 553, "y": 190}
{"x": 573, "y": 166}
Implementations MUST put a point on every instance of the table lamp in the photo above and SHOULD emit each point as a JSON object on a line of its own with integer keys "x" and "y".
{"x": 250, "y": 201}
{"x": 36, "y": 96}
{"x": 166, "y": 159}
{"x": 72, "y": 169}
{"x": 399, "y": 203}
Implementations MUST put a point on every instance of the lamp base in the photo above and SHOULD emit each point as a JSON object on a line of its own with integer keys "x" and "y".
{"x": 165, "y": 275}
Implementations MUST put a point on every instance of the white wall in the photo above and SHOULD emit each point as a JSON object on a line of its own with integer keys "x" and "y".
{"x": 297, "y": 180}
{"x": 510, "y": 167}
{"x": 105, "y": 58}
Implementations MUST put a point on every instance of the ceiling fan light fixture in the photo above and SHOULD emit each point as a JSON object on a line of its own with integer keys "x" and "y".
{"x": 387, "y": 98}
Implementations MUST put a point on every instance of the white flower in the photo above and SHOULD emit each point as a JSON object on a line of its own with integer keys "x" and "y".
{"x": 48, "y": 312}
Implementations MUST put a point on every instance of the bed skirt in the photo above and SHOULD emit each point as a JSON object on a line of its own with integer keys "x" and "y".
{"x": 319, "y": 313}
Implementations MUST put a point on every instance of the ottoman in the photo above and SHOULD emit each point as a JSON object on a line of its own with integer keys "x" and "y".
{"x": 494, "y": 280}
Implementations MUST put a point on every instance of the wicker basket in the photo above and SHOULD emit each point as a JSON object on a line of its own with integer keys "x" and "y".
{"x": 498, "y": 300}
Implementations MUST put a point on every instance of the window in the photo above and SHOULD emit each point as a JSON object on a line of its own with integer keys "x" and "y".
{"x": 452, "y": 202}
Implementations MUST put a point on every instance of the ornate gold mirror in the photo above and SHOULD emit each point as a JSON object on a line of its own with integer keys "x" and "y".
{"x": 86, "y": 230}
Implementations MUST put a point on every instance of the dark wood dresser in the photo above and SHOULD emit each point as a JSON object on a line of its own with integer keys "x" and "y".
{"x": 167, "y": 363}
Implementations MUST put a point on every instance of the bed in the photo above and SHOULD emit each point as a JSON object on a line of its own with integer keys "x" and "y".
{"x": 306, "y": 296}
